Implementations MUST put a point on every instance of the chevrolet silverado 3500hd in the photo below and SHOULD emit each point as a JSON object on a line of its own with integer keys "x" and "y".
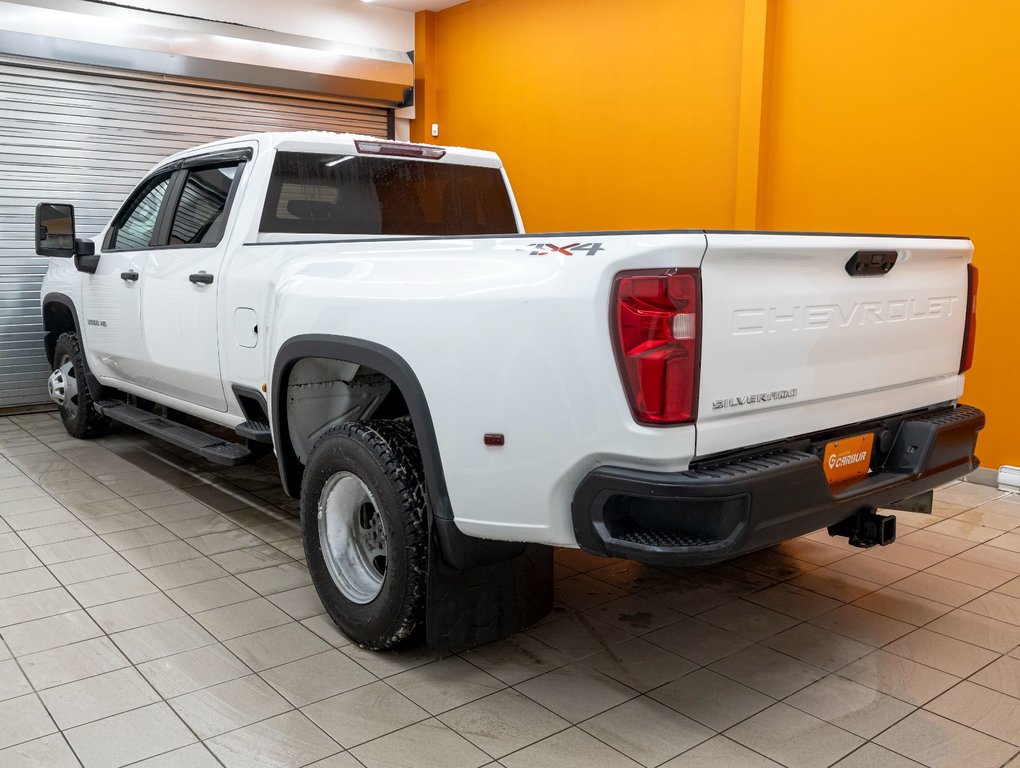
{"x": 447, "y": 394}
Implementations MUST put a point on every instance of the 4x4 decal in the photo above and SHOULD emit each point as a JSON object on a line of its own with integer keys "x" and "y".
{"x": 544, "y": 249}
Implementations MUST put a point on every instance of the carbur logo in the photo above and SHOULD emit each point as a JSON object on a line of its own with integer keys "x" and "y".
{"x": 574, "y": 249}
{"x": 850, "y": 458}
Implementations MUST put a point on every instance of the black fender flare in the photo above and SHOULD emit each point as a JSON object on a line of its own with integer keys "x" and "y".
{"x": 64, "y": 300}
{"x": 55, "y": 297}
{"x": 460, "y": 550}
{"x": 378, "y": 358}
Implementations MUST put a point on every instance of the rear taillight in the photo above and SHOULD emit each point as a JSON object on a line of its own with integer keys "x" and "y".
{"x": 970, "y": 327}
{"x": 656, "y": 321}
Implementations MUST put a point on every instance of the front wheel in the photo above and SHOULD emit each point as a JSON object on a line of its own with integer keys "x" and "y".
{"x": 70, "y": 391}
{"x": 364, "y": 516}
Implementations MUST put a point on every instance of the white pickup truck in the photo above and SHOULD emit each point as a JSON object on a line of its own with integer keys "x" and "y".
{"x": 443, "y": 390}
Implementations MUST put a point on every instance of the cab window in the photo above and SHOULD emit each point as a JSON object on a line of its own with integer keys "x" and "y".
{"x": 356, "y": 195}
{"x": 201, "y": 214}
{"x": 136, "y": 225}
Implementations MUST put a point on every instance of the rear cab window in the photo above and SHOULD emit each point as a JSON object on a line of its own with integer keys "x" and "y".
{"x": 313, "y": 193}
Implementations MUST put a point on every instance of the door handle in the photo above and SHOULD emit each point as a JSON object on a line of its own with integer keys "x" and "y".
{"x": 129, "y": 276}
{"x": 203, "y": 278}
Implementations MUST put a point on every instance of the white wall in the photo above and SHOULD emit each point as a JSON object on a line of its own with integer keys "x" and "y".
{"x": 345, "y": 21}
{"x": 348, "y": 21}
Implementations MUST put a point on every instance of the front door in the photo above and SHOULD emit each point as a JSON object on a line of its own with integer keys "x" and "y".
{"x": 180, "y": 284}
{"x": 112, "y": 321}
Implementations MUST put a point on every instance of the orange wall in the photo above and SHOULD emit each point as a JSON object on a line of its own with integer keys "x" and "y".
{"x": 556, "y": 86}
{"x": 905, "y": 117}
{"x": 876, "y": 116}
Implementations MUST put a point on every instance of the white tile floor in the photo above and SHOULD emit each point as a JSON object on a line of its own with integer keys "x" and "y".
{"x": 155, "y": 610}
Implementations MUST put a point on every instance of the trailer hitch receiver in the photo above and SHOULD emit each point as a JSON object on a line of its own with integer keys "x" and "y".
{"x": 866, "y": 529}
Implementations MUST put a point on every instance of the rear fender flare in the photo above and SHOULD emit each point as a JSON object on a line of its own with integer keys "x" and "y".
{"x": 378, "y": 358}
{"x": 459, "y": 550}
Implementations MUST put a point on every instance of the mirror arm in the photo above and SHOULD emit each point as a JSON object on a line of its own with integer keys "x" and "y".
{"x": 86, "y": 264}
{"x": 85, "y": 258}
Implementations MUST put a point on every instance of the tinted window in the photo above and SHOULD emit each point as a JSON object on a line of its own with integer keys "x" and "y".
{"x": 200, "y": 216}
{"x": 356, "y": 195}
{"x": 138, "y": 222}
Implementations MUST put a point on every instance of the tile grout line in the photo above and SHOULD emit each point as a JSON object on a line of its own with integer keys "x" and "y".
{"x": 220, "y": 643}
{"x": 685, "y": 616}
{"x": 131, "y": 664}
{"x": 916, "y": 627}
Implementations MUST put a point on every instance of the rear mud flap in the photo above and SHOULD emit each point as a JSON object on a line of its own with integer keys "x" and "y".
{"x": 469, "y": 607}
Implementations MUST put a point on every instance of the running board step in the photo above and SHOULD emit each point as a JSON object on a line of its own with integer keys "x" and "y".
{"x": 208, "y": 446}
{"x": 255, "y": 430}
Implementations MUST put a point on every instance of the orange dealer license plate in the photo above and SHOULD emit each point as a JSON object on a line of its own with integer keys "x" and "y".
{"x": 847, "y": 458}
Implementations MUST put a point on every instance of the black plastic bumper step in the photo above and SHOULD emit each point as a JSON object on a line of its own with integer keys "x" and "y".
{"x": 655, "y": 537}
{"x": 213, "y": 448}
{"x": 255, "y": 430}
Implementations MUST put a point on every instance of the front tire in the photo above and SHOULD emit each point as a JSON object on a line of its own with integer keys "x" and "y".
{"x": 364, "y": 516}
{"x": 70, "y": 390}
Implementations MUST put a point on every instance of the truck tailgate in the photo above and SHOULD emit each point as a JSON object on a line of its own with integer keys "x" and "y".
{"x": 792, "y": 343}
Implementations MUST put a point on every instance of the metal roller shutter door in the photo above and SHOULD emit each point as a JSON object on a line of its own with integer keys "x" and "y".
{"x": 87, "y": 137}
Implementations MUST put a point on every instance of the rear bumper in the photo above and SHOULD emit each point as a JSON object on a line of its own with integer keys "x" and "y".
{"x": 730, "y": 507}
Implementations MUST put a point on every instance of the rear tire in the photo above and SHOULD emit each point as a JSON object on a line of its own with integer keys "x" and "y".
{"x": 363, "y": 511}
{"x": 70, "y": 389}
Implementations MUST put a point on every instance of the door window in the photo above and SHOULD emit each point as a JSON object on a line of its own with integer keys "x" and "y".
{"x": 138, "y": 221}
{"x": 201, "y": 214}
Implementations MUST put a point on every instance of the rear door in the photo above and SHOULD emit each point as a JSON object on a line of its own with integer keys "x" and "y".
{"x": 797, "y": 338}
{"x": 180, "y": 283}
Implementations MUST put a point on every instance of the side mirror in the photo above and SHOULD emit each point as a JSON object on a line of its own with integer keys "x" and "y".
{"x": 54, "y": 236}
{"x": 54, "y": 230}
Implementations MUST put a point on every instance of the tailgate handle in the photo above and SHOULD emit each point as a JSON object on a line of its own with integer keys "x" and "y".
{"x": 871, "y": 263}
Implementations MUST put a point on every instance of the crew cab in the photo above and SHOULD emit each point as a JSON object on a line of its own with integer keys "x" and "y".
{"x": 451, "y": 397}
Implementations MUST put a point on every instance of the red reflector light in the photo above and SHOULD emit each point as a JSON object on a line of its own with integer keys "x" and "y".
{"x": 970, "y": 327}
{"x": 494, "y": 438}
{"x": 656, "y": 321}
{"x": 399, "y": 150}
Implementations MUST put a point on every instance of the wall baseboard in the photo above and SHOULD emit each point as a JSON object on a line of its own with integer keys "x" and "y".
{"x": 1009, "y": 478}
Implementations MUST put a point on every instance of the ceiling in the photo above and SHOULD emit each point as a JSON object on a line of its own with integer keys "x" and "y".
{"x": 418, "y": 5}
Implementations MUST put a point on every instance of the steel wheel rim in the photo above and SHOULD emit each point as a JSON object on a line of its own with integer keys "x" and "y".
{"x": 352, "y": 535}
{"x": 63, "y": 386}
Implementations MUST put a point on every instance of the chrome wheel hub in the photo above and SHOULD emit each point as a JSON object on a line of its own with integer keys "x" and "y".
{"x": 352, "y": 535}
{"x": 63, "y": 386}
